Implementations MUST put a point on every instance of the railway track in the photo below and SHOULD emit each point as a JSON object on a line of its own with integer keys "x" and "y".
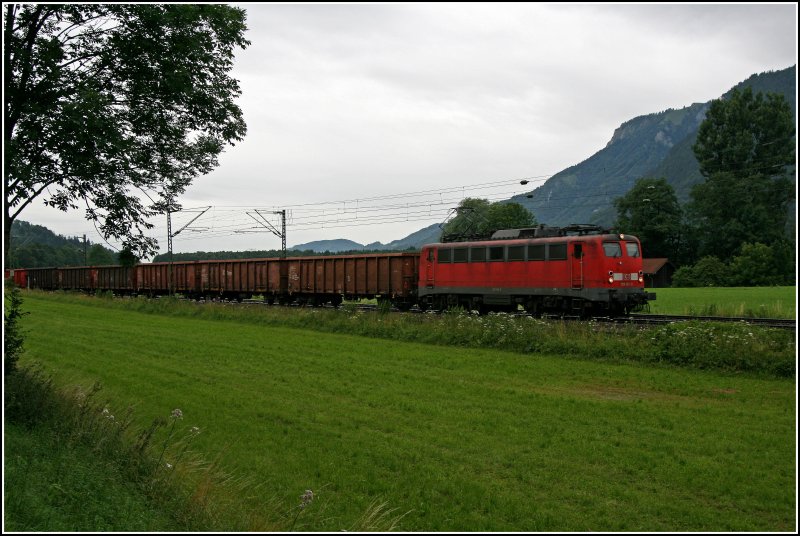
{"x": 635, "y": 319}
{"x": 645, "y": 319}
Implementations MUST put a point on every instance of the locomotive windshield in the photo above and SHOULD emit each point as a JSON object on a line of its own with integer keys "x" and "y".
{"x": 632, "y": 248}
{"x": 612, "y": 249}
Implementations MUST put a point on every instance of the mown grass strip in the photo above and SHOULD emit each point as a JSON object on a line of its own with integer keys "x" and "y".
{"x": 460, "y": 439}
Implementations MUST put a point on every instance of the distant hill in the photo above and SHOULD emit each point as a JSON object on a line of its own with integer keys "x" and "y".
{"x": 654, "y": 145}
{"x": 413, "y": 241}
{"x": 334, "y": 246}
{"x": 36, "y": 246}
{"x": 23, "y": 233}
{"x": 416, "y": 240}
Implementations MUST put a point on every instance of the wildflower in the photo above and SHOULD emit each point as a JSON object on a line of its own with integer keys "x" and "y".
{"x": 169, "y": 465}
{"x": 194, "y": 430}
{"x": 306, "y": 498}
{"x": 177, "y": 414}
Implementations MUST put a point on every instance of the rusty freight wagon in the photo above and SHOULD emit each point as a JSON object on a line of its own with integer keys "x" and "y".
{"x": 77, "y": 278}
{"x": 18, "y": 275}
{"x": 329, "y": 279}
{"x": 43, "y": 278}
{"x": 117, "y": 279}
{"x": 159, "y": 278}
{"x": 241, "y": 278}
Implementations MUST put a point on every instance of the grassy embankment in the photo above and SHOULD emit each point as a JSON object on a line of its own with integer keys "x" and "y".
{"x": 460, "y": 439}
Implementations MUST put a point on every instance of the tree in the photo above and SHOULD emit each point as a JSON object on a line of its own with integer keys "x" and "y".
{"x": 478, "y": 218}
{"x": 650, "y": 210}
{"x": 745, "y": 148}
{"x": 127, "y": 258}
{"x": 100, "y": 256}
{"x": 116, "y": 108}
{"x": 757, "y": 265}
{"x": 708, "y": 272}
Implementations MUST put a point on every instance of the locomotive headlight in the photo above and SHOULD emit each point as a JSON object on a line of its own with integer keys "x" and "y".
{"x": 641, "y": 277}
{"x": 610, "y": 277}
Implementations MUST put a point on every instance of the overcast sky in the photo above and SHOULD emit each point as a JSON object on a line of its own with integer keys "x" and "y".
{"x": 401, "y": 110}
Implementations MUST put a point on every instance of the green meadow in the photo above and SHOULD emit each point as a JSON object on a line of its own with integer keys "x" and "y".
{"x": 441, "y": 436}
{"x": 761, "y": 302}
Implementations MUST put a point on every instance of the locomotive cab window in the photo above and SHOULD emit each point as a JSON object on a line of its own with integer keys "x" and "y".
{"x": 478, "y": 254}
{"x": 460, "y": 255}
{"x": 496, "y": 253}
{"x": 632, "y": 249}
{"x": 444, "y": 255}
{"x": 612, "y": 249}
{"x": 516, "y": 253}
{"x": 536, "y": 252}
{"x": 430, "y": 255}
{"x": 558, "y": 252}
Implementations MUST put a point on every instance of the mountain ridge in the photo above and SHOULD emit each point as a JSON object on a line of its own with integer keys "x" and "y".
{"x": 652, "y": 146}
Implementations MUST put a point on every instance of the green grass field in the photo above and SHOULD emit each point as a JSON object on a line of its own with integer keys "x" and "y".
{"x": 456, "y": 439}
{"x": 762, "y": 302}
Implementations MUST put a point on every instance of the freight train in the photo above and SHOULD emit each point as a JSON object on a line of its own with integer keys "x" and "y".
{"x": 576, "y": 270}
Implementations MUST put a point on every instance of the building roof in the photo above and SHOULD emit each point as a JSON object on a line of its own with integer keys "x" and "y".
{"x": 652, "y": 266}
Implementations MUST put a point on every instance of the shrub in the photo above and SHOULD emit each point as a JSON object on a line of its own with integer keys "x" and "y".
{"x": 14, "y": 338}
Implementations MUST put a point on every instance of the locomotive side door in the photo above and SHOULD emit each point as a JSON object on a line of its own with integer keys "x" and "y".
{"x": 429, "y": 268}
{"x": 576, "y": 264}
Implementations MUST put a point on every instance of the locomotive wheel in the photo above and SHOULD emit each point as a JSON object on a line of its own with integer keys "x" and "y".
{"x": 534, "y": 309}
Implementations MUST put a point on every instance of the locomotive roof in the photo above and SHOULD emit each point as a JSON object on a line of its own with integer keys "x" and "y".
{"x": 549, "y": 239}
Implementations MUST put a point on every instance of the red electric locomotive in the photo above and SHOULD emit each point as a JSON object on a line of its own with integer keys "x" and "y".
{"x": 580, "y": 269}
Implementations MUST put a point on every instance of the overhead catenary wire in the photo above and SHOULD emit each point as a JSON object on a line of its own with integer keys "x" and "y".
{"x": 228, "y": 221}
{"x": 430, "y": 205}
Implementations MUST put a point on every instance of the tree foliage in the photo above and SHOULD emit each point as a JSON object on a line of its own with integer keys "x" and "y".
{"x": 707, "y": 272}
{"x": 478, "y": 218}
{"x": 100, "y": 256}
{"x": 756, "y": 265}
{"x": 116, "y": 108}
{"x": 36, "y": 246}
{"x": 753, "y": 267}
{"x": 745, "y": 148}
{"x": 650, "y": 211}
